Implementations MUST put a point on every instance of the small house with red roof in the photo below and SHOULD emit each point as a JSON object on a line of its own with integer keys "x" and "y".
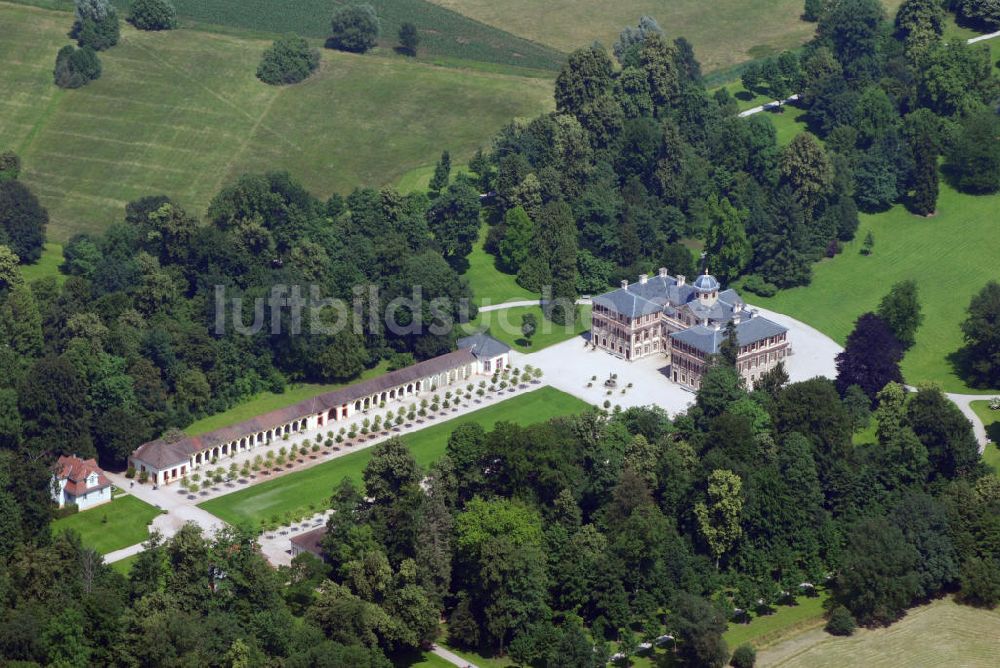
{"x": 80, "y": 482}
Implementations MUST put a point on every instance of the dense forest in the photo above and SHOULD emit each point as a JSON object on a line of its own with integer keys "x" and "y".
{"x": 547, "y": 541}
{"x": 640, "y": 155}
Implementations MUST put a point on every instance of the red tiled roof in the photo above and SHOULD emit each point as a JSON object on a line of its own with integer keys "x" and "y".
{"x": 75, "y": 471}
{"x": 161, "y": 454}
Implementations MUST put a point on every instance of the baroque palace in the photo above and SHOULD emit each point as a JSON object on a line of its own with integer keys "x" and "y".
{"x": 686, "y": 323}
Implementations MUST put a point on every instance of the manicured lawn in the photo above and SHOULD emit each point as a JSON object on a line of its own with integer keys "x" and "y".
{"x": 942, "y": 633}
{"x": 296, "y": 491}
{"x": 723, "y": 33}
{"x": 47, "y": 265}
{"x": 489, "y": 284}
{"x": 181, "y": 113}
{"x": 127, "y": 519}
{"x": 415, "y": 659}
{"x": 787, "y": 123}
{"x": 124, "y": 566}
{"x": 991, "y": 420}
{"x": 269, "y": 401}
{"x": 950, "y": 255}
{"x": 505, "y": 325}
{"x": 765, "y": 629}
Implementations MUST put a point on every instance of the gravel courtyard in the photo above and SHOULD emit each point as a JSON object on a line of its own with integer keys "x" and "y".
{"x": 571, "y": 365}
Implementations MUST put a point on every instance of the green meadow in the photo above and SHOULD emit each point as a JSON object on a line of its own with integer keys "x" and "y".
{"x": 950, "y": 255}
{"x": 181, "y": 113}
{"x": 311, "y": 488}
{"x": 445, "y": 35}
{"x": 723, "y": 33}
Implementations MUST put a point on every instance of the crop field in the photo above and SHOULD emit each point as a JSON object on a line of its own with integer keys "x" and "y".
{"x": 181, "y": 113}
{"x": 444, "y": 34}
{"x": 296, "y": 491}
{"x": 927, "y": 250}
{"x": 942, "y": 633}
{"x": 723, "y": 33}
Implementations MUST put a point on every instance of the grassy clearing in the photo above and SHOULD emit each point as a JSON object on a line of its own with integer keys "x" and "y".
{"x": 489, "y": 284}
{"x": 415, "y": 659}
{"x": 443, "y": 33}
{"x": 298, "y": 491}
{"x": 723, "y": 32}
{"x": 766, "y": 629}
{"x": 47, "y": 265}
{"x": 940, "y": 634}
{"x": 181, "y": 113}
{"x": 269, "y": 401}
{"x": 505, "y": 325}
{"x": 124, "y": 566}
{"x": 127, "y": 521}
{"x": 927, "y": 250}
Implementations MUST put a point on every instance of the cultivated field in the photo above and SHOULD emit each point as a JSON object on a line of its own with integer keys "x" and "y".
{"x": 295, "y": 492}
{"x": 110, "y": 527}
{"x": 940, "y": 634}
{"x": 927, "y": 250}
{"x": 182, "y": 113}
{"x": 724, "y": 33}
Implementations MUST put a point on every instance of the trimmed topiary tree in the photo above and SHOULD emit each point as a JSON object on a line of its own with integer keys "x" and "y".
{"x": 288, "y": 60}
{"x": 152, "y": 15}
{"x": 354, "y": 28}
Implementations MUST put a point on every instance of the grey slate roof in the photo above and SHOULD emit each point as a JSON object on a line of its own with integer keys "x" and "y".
{"x": 706, "y": 283}
{"x": 161, "y": 454}
{"x": 708, "y": 339}
{"x": 483, "y": 345}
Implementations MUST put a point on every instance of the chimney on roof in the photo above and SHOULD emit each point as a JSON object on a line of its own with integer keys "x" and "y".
{"x": 624, "y": 284}
{"x": 681, "y": 279}
{"x": 642, "y": 279}
{"x": 663, "y": 272}
{"x": 737, "y": 317}
{"x": 716, "y": 326}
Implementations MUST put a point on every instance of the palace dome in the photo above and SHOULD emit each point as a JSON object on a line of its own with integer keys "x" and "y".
{"x": 706, "y": 283}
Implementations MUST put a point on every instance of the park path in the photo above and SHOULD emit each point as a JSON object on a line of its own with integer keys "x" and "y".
{"x": 124, "y": 553}
{"x": 523, "y": 303}
{"x": 964, "y": 403}
{"x": 451, "y": 657}
{"x": 776, "y": 103}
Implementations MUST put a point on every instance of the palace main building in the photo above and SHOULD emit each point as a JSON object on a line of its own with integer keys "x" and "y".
{"x": 665, "y": 315}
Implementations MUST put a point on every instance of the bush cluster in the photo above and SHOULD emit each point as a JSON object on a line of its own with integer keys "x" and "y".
{"x": 152, "y": 15}
{"x": 288, "y": 60}
{"x": 76, "y": 67}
